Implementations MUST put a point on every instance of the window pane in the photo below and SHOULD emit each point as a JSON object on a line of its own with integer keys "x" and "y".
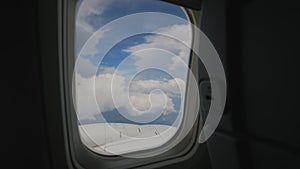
{"x": 129, "y": 91}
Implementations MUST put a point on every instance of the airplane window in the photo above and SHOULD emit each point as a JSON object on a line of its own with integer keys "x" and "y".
{"x": 130, "y": 73}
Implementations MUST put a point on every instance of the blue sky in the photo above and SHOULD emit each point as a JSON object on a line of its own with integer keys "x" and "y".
{"x": 94, "y": 14}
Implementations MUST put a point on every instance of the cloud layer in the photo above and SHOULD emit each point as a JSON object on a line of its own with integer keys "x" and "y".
{"x": 143, "y": 96}
{"x": 110, "y": 87}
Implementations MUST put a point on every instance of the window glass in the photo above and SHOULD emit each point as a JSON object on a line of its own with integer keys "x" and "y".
{"x": 129, "y": 90}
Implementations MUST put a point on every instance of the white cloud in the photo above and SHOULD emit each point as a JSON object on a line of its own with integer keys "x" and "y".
{"x": 95, "y": 44}
{"x": 140, "y": 98}
{"x": 173, "y": 86}
{"x": 85, "y": 67}
{"x": 176, "y": 37}
{"x": 88, "y": 8}
{"x": 106, "y": 70}
{"x": 84, "y": 29}
{"x": 177, "y": 63}
{"x": 154, "y": 103}
{"x": 83, "y": 26}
